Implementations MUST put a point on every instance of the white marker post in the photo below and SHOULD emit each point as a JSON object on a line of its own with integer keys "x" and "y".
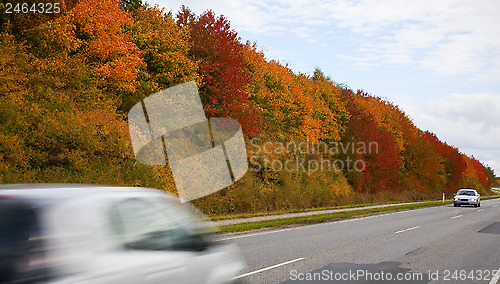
{"x": 443, "y": 196}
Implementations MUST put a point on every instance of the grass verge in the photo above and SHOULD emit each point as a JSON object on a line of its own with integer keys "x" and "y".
{"x": 490, "y": 197}
{"x": 281, "y": 212}
{"x": 319, "y": 218}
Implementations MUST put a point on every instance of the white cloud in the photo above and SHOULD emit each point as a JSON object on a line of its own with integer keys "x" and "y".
{"x": 446, "y": 37}
{"x": 466, "y": 121}
{"x": 360, "y": 63}
{"x": 304, "y": 33}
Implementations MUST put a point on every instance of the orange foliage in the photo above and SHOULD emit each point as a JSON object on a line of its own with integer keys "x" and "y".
{"x": 294, "y": 104}
{"x": 105, "y": 45}
{"x": 388, "y": 116}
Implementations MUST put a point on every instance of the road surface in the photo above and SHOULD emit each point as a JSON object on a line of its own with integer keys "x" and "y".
{"x": 442, "y": 244}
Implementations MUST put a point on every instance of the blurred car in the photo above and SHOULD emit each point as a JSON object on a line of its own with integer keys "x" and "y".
{"x": 61, "y": 233}
{"x": 467, "y": 197}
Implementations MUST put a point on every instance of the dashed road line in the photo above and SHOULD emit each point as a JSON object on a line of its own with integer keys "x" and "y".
{"x": 253, "y": 235}
{"x": 406, "y": 230}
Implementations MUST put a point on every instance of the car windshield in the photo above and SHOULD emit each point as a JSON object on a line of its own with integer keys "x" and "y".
{"x": 155, "y": 225}
{"x": 466, "y": 192}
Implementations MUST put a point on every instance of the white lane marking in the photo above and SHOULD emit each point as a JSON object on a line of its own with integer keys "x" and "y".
{"x": 495, "y": 205}
{"x": 409, "y": 229}
{"x": 495, "y": 278}
{"x": 458, "y": 216}
{"x": 302, "y": 227}
{"x": 268, "y": 268}
{"x": 253, "y": 235}
{"x": 480, "y": 210}
{"x": 327, "y": 223}
{"x": 322, "y": 224}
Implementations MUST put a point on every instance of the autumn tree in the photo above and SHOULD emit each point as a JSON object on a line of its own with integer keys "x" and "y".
{"x": 423, "y": 169}
{"x": 453, "y": 162}
{"x": 19, "y": 23}
{"x": 372, "y": 146}
{"x": 107, "y": 48}
{"x": 475, "y": 175}
{"x": 62, "y": 81}
{"x": 46, "y": 135}
{"x": 133, "y": 5}
{"x": 218, "y": 51}
{"x": 89, "y": 53}
{"x": 164, "y": 47}
{"x": 480, "y": 171}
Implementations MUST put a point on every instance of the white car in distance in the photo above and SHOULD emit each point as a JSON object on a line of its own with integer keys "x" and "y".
{"x": 467, "y": 196}
{"x": 67, "y": 233}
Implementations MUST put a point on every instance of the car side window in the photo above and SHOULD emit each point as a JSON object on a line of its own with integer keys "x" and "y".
{"x": 143, "y": 224}
{"x": 20, "y": 242}
{"x": 20, "y": 229}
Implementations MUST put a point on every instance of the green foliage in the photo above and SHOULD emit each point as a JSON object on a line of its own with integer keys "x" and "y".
{"x": 133, "y": 5}
{"x": 165, "y": 48}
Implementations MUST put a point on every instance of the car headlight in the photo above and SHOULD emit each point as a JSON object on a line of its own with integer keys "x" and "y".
{"x": 473, "y": 199}
{"x": 456, "y": 198}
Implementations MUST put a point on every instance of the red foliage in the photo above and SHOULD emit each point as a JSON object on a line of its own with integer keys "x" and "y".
{"x": 454, "y": 162}
{"x": 383, "y": 164}
{"x": 221, "y": 65}
{"x": 480, "y": 171}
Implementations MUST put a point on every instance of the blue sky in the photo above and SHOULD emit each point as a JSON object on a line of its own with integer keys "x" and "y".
{"x": 439, "y": 60}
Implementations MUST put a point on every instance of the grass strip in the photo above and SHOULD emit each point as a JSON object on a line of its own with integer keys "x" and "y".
{"x": 282, "y": 212}
{"x": 320, "y": 218}
{"x": 490, "y": 197}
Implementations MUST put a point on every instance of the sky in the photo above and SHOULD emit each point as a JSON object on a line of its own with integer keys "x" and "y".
{"x": 438, "y": 60}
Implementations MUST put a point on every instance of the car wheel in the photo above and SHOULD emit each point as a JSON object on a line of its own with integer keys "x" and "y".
{"x": 455, "y": 205}
{"x": 479, "y": 204}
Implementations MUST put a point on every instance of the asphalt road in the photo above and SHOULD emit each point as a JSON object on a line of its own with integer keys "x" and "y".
{"x": 443, "y": 244}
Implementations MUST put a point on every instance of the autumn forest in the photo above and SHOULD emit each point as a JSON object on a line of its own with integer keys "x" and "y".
{"x": 68, "y": 81}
